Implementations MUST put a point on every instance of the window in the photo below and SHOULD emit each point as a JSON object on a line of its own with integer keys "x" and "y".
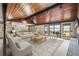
{"x": 55, "y": 30}
{"x": 51, "y": 28}
{"x": 67, "y": 30}
{"x": 46, "y": 29}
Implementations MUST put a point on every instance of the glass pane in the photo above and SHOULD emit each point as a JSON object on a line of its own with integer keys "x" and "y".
{"x": 51, "y": 26}
{"x": 67, "y": 33}
{"x": 46, "y": 29}
{"x": 51, "y": 29}
{"x": 57, "y": 28}
{"x": 66, "y": 29}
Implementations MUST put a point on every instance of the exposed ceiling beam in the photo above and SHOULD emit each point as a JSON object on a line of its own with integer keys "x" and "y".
{"x": 56, "y": 22}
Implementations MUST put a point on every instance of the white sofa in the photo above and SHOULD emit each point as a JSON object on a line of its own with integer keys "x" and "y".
{"x": 19, "y": 47}
{"x": 25, "y": 35}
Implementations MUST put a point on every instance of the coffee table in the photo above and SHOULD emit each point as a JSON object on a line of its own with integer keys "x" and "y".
{"x": 38, "y": 39}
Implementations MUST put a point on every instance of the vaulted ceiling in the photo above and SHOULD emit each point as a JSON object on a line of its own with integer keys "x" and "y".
{"x": 63, "y": 12}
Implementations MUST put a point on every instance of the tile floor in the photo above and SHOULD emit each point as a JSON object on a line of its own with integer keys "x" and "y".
{"x": 62, "y": 50}
{"x": 47, "y": 48}
{"x": 73, "y": 49}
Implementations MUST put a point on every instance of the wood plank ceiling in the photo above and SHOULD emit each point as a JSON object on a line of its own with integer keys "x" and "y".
{"x": 15, "y": 10}
{"x": 19, "y": 12}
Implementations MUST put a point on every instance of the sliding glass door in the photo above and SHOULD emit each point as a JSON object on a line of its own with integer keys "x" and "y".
{"x": 51, "y": 29}
{"x": 55, "y": 30}
{"x": 66, "y": 30}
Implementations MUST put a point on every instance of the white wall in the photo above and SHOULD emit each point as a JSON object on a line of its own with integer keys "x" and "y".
{"x": 1, "y": 18}
{"x": 78, "y": 10}
{"x": 1, "y": 21}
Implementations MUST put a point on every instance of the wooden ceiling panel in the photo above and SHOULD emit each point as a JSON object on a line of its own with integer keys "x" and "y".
{"x": 55, "y": 14}
{"x": 42, "y": 18}
{"x": 64, "y": 12}
{"x": 69, "y": 11}
{"x": 15, "y": 10}
{"x": 37, "y": 7}
{"x": 20, "y": 14}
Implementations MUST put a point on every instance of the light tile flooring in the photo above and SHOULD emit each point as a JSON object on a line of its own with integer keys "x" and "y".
{"x": 73, "y": 49}
{"x": 47, "y": 48}
{"x": 62, "y": 50}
